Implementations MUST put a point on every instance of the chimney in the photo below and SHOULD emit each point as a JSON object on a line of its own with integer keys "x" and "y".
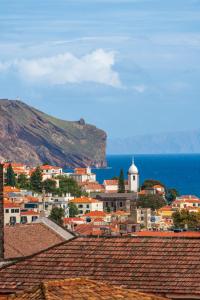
{"x": 1, "y": 214}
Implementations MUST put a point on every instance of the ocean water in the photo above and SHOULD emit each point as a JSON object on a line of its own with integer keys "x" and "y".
{"x": 175, "y": 171}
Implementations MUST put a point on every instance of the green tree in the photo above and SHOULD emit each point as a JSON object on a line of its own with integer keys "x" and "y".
{"x": 149, "y": 183}
{"x": 171, "y": 194}
{"x": 151, "y": 201}
{"x": 36, "y": 180}
{"x": 49, "y": 185}
{"x": 10, "y": 176}
{"x": 23, "y": 181}
{"x": 121, "y": 184}
{"x": 73, "y": 210}
{"x": 69, "y": 185}
{"x": 108, "y": 209}
{"x": 57, "y": 214}
{"x": 186, "y": 219}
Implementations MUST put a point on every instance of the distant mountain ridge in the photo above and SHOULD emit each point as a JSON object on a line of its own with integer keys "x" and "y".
{"x": 30, "y": 136}
{"x": 162, "y": 143}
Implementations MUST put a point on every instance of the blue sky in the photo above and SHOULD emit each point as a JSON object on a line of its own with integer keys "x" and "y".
{"x": 128, "y": 66}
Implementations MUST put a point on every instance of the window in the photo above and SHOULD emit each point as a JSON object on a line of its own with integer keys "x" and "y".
{"x": 24, "y": 219}
{"x": 13, "y": 220}
{"x": 133, "y": 177}
{"x": 80, "y": 206}
{"x": 80, "y": 212}
{"x": 87, "y": 206}
{"x": 7, "y": 211}
{"x": 120, "y": 204}
{"x": 34, "y": 218}
{"x": 14, "y": 210}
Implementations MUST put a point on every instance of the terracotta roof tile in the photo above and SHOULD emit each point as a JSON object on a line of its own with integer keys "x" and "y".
{"x": 84, "y": 200}
{"x": 168, "y": 234}
{"x": 96, "y": 213}
{"x": 82, "y": 288}
{"x": 48, "y": 167}
{"x": 111, "y": 182}
{"x": 23, "y": 240}
{"x": 136, "y": 262}
{"x": 29, "y": 213}
{"x": 10, "y": 189}
{"x": 11, "y": 205}
{"x": 80, "y": 171}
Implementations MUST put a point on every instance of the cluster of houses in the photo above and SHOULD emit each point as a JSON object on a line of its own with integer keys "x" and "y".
{"x": 163, "y": 219}
{"x": 103, "y": 211}
{"x": 99, "y": 254}
{"x": 106, "y": 212}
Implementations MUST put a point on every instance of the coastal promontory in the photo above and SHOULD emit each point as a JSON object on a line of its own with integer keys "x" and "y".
{"x": 30, "y": 136}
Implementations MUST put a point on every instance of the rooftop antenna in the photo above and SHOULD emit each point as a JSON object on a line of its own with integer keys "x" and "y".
{"x": 133, "y": 162}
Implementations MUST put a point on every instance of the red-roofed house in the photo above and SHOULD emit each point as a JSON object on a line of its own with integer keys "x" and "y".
{"x": 111, "y": 185}
{"x": 18, "y": 168}
{"x": 92, "y": 187}
{"x": 29, "y": 216}
{"x": 49, "y": 172}
{"x": 71, "y": 223}
{"x": 94, "y": 215}
{"x": 86, "y": 205}
{"x": 83, "y": 175}
{"x": 11, "y": 213}
{"x": 188, "y": 201}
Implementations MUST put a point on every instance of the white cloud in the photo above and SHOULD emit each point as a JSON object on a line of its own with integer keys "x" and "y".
{"x": 140, "y": 88}
{"x": 67, "y": 68}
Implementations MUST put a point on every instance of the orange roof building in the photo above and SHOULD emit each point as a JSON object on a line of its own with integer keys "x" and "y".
{"x": 81, "y": 288}
{"x": 86, "y": 205}
{"x": 165, "y": 266}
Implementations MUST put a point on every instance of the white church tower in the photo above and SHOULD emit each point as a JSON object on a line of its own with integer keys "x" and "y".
{"x": 133, "y": 178}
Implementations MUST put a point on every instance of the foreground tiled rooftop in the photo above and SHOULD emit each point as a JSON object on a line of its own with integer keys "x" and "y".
{"x": 81, "y": 288}
{"x": 23, "y": 240}
{"x": 158, "y": 265}
{"x": 168, "y": 234}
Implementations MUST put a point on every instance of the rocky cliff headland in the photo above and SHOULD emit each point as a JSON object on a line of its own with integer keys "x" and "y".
{"x": 30, "y": 136}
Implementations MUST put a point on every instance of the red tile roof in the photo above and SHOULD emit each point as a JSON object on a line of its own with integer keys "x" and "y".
{"x": 111, "y": 182}
{"x": 73, "y": 220}
{"x": 168, "y": 234}
{"x": 87, "y": 229}
{"x": 120, "y": 213}
{"x": 48, "y": 167}
{"x": 136, "y": 262}
{"x": 30, "y": 198}
{"x": 165, "y": 208}
{"x": 84, "y": 200}
{"x": 96, "y": 213}
{"x": 80, "y": 171}
{"x": 23, "y": 240}
{"x": 81, "y": 288}
{"x": 10, "y": 189}
{"x": 158, "y": 186}
{"x": 29, "y": 213}
{"x": 11, "y": 205}
{"x": 14, "y": 165}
